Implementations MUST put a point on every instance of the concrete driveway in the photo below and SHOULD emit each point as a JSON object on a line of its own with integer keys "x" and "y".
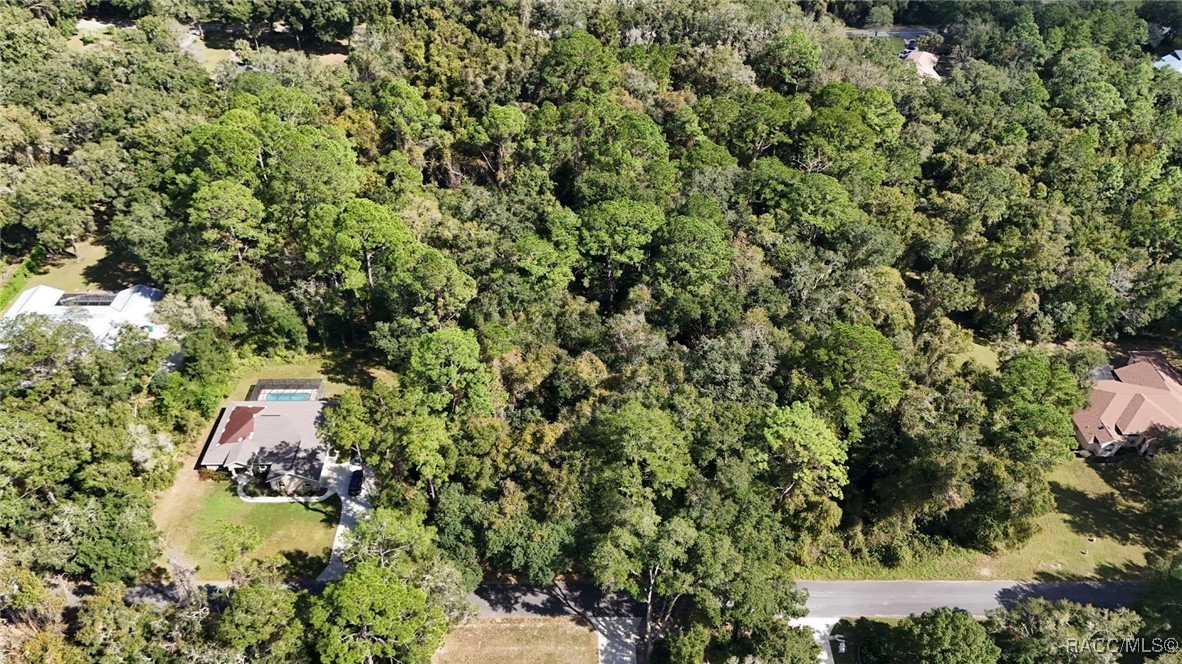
{"x": 353, "y": 508}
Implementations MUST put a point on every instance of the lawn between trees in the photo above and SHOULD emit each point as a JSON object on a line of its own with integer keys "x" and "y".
{"x": 195, "y": 513}
{"x": 1092, "y": 534}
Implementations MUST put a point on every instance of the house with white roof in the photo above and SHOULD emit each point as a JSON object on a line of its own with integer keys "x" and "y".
{"x": 1171, "y": 60}
{"x": 104, "y": 314}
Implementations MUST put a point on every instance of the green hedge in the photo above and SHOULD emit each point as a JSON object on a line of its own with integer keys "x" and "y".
{"x": 20, "y": 276}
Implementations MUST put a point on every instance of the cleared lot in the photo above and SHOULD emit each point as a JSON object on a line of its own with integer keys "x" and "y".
{"x": 517, "y": 640}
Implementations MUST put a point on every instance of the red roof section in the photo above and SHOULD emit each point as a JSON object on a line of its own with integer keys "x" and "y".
{"x": 240, "y": 425}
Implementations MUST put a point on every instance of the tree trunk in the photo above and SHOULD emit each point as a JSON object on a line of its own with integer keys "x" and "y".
{"x": 645, "y": 652}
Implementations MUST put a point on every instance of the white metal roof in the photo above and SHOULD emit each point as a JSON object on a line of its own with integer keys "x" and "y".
{"x": 133, "y": 306}
{"x": 1172, "y": 60}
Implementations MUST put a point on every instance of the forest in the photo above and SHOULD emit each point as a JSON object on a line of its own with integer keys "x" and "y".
{"x": 674, "y": 297}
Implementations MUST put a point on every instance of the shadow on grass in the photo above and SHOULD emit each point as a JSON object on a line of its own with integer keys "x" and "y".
{"x": 1093, "y": 516}
{"x": 114, "y": 272}
{"x": 301, "y": 565}
{"x": 350, "y": 366}
{"x": 223, "y": 36}
{"x": 329, "y": 510}
{"x": 1126, "y": 517}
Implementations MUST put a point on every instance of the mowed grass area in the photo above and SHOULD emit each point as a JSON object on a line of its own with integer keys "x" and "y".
{"x": 1092, "y": 534}
{"x": 517, "y": 640}
{"x": 193, "y": 508}
{"x": 72, "y": 273}
{"x": 307, "y": 366}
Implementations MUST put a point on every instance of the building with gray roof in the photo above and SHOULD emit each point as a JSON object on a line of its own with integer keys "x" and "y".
{"x": 275, "y": 432}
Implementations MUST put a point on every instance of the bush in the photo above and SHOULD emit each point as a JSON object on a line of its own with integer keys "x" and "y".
{"x": 212, "y": 475}
{"x": 20, "y": 276}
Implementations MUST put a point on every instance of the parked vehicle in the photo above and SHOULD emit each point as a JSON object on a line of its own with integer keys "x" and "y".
{"x": 355, "y": 483}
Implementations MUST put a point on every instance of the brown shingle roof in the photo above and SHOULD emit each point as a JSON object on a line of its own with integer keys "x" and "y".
{"x": 1145, "y": 401}
{"x": 1141, "y": 373}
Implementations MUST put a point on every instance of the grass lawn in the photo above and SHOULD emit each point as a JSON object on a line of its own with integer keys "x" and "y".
{"x": 1091, "y": 534}
{"x": 209, "y": 58}
{"x": 307, "y": 366}
{"x": 92, "y": 269}
{"x": 516, "y": 640}
{"x": 71, "y": 273}
{"x": 193, "y": 508}
{"x": 984, "y": 355}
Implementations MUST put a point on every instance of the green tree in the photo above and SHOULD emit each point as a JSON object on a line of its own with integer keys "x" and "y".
{"x": 577, "y": 67}
{"x": 692, "y": 254}
{"x": 372, "y": 614}
{"x": 229, "y": 219}
{"x": 791, "y": 60}
{"x": 361, "y": 235}
{"x": 446, "y": 374}
{"x": 262, "y": 623}
{"x": 942, "y": 636}
{"x": 348, "y": 425}
{"x": 389, "y": 537}
{"x": 611, "y": 237}
{"x": 232, "y": 542}
{"x": 38, "y": 458}
{"x": 110, "y": 630}
{"x": 108, "y": 538}
{"x": 854, "y": 367}
{"x": 1034, "y": 630}
{"x": 879, "y": 17}
{"x": 54, "y": 203}
{"x": 653, "y": 449}
{"x": 499, "y": 130}
{"x": 804, "y": 456}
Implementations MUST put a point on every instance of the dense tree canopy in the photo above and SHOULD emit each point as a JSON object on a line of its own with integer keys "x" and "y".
{"x": 677, "y": 298}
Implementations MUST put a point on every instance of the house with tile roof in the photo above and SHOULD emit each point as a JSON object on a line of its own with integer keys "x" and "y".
{"x": 1131, "y": 407}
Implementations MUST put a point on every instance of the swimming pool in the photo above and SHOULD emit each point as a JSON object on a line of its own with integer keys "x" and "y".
{"x": 288, "y": 396}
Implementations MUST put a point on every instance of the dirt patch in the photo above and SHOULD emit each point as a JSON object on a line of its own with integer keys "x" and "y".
{"x": 174, "y": 509}
{"x": 516, "y": 640}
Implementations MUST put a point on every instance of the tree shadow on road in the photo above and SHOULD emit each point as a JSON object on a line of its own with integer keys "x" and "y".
{"x": 1106, "y": 594}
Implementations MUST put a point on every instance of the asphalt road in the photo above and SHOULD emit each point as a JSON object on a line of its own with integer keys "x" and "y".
{"x": 904, "y": 31}
{"x": 838, "y": 599}
{"x": 560, "y": 599}
{"x": 827, "y": 599}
